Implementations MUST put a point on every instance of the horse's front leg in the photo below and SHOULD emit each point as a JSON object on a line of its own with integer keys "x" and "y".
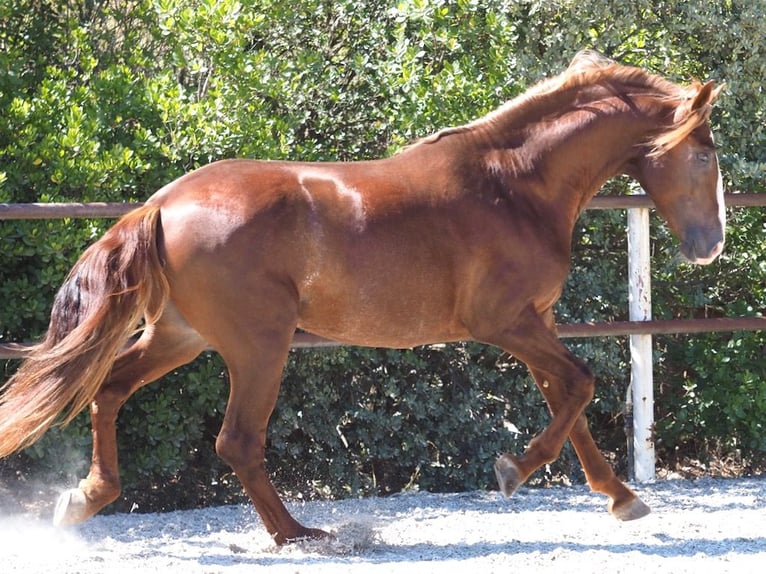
{"x": 255, "y": 364}
{"x": 624, "y": 503}
{"x": 567, "y": 385}
{"x": 531, "y": 341}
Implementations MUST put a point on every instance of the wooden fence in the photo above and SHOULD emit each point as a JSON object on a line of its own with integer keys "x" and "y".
{"x": 98, "y": 210}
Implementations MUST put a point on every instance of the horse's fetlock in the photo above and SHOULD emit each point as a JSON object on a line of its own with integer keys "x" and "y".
{"x": 101, "y": 490}
{"x": 544, "y": 449}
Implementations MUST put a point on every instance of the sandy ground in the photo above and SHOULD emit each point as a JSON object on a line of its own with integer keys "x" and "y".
{"x": 701, "y": 526}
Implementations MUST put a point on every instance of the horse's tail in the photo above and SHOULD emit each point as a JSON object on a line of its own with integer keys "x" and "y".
{"x": 117, "y": 281}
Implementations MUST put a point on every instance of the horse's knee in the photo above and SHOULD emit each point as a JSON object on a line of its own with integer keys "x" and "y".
{"x": 578, "y": 389}
{"x": 581, "y": 388}
{"x": 587, "y": 387}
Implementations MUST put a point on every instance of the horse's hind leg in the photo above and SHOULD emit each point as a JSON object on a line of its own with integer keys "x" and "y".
{"x": 624, "y": 503}
{"x": 167, "y": 344}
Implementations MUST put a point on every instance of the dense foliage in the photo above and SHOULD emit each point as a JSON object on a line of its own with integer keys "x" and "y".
{"x": 108, "y": 100}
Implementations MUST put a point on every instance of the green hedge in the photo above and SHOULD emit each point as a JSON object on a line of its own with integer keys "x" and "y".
{"x": 107, "y": 103}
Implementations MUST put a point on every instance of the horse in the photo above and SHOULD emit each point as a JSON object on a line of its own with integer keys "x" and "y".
{"x": 464, "y": 235}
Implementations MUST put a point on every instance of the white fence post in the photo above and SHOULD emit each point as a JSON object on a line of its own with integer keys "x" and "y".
{"x": 641, "y": 378}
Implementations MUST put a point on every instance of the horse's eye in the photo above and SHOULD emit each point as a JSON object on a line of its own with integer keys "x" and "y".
{"x": 703, "y": 156}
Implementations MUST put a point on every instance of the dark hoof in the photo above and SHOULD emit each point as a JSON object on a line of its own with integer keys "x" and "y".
{"x": 630, "y": 510}
{"x": 508, "y": 476}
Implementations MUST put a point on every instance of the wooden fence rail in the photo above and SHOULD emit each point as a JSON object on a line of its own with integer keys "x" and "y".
{"x": 98, "y": 210}
{"x": 303, "y": 340}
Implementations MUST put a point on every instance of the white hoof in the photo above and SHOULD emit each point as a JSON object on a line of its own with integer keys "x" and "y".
{"x": 631, "y": 510}
{"x": 507, "y": 474}
{"x": 71, "y": 508}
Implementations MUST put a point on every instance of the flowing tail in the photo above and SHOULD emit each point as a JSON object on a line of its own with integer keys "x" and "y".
{"x": 118, "y": 281}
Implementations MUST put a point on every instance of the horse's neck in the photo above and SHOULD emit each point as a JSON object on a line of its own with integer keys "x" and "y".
{"x": 567, "y": 160}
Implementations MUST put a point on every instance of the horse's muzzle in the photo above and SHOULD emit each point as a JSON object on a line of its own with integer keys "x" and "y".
{"x": 702, "y": 246}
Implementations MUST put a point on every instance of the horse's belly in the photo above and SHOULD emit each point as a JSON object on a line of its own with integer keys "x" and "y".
{"x": 381, "y": 338}
{"x": 384, "y": 323}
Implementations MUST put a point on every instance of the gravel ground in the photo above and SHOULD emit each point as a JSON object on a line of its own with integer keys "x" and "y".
{"x": 709, "y": 524}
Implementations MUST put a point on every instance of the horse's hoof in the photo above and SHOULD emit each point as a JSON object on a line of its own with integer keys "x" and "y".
{"x": 317, "y": 534}
{"x": 303, "y": 535}
{"x": 630, "y": 510}
{"x": 71, "y": 508}
{"x": 507, "y": 473}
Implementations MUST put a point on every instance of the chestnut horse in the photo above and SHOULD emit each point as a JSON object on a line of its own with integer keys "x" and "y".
{"x": 463, "y": 235}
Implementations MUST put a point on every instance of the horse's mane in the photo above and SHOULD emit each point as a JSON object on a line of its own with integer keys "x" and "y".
{"x": 589, "y": 69}
{"x": 685, "y": 122}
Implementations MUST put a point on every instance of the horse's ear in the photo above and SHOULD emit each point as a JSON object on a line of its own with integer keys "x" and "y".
{"x": 716, "y": 92}
{"x": 706, "y": 95}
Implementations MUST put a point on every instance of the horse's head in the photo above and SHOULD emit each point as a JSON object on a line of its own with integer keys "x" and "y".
{"x": 680, "y": 173}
